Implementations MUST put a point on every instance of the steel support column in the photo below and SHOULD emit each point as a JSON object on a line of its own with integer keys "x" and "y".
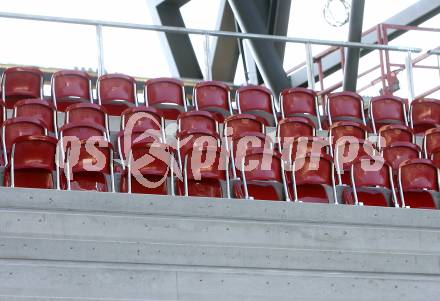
{"x": 226, "y": 50}
{"x": 266, "y": 56}
{"x": 353, "y": 54}
{"x": 180, "y": 44}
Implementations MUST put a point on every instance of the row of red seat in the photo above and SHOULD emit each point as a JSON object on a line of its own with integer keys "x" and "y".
{"x": 116, "y": 92}
{"x": 393, "y": 139}
{"x": 311, "y": 177}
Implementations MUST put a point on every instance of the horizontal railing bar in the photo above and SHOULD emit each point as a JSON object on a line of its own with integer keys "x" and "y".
{"x": 181, "y": 30}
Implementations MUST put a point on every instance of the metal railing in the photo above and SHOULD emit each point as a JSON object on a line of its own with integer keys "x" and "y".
{"x": 388, "y": 75}
{"x": 99, "y": 25}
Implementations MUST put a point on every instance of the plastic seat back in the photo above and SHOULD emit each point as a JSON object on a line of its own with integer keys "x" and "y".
{"x": 391, "y": 134}
{"x": 190, "y": 139}
{"x": 300, "y": 102}
{"x": 243, "y": 123}
{"x": 83, "y": 130}
{"x": 314, "y": 169}
{"x": 142, "y": 118}
{"x": 416, "y": 179}
{"x": 167, "y": 95}
{"x": 425, "y": 114}
{"x": 93, "y": 167}
{"x": 345, "y": 106}
{"x": 151, "y": 176}
{"x": 435, "y": 157}
{"x": 197, "y": 120}
{"x": 206, "y": 173}
{"x": 366, "y": 178}
{"x": 385, "y": 110}
{"x": 310, "y": 173}
{"x": 87, "y": 113}
{"x": 70, "y": 87}
{"x": 343, "y": 129}
{"x": 213, "y": 96}
{"x": 18, "y": 127}
{"x": 138, "y": 136}
{"x": 117, "y": 92}
{"x": 399, "y": 152}
{"x": 349, "y": 152}
{"x": 266, "y": 166}
{"x": 33, "y": 163}
{"x": 21, "y": 83}
{"x": 262, "y": 176}
{"x": 240, "y": 145}
{"x": 371, "y": 177}
{"x": 418, "y": 174}
{"x": 40, "y": 109}
{"x": 292, "y": 128}
{"x": 304, "y": 146}
{"x": 431, "y": 142}
{"x": 257, "y": 100}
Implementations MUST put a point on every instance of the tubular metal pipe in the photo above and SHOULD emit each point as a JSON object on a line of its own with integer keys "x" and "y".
{"x": 215, "y": 33}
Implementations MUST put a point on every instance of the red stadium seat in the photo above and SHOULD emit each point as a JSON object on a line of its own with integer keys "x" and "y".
{"x": 435, "y": 157}
{"x": 305, "y": 146}
{"x": 167, "y": 95}
{"x": 391, "y": 134}
{"x": 187, "y": 140}
{"x": 348, "y": 152}
{"x": 197, "y": 120}
{"x": 344, "y": 129}
{"x": 146, "y": 119}
{"x": 263, "y": 181}
{"x": 300, "y": 102}
{"x": 345, "y": 106}
{"x": 257, "y": 100}
{"x": 139, "y": 124}
{"x": 240, "y": 145}
{"x": 21, "y": 83}
{"x": 243, "y": 123}
{"x": 87, "y": 113}
{"x": 155, "y": 177}
{"x": 292, "y": 128}
{"x": 69, "y": 86}
{"x": 213, "y": 96}
{"x": 128, "y": 138}
{"x": 40, "y": 109}
{"x": 431, "y": 142}
{"x": 424, "y": 114}
{"x": 312, "y": 175}
{"x": 399, "y": 152}
{"x": 205, "y": 174}
{"x": 417, "y": 178}
{"x": 93, "y": 171}
{"x": 371, "y": 187}
{"x": 33, "y": 163}
{"x": 18, "y": 127}
{"x": 116, "y": 93}
{"x": 386, "y": 110}
{"x": 83, "y": 130}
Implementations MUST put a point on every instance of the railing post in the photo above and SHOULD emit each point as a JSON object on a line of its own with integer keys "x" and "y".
{"x": 410, "y": 76}
{"x": 310, "y": 67}
{"x": 208, "y": 70}
{"x": 99, "y": 41}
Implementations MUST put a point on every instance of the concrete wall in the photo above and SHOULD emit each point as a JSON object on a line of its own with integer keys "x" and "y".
{"x": 101, "y": 246}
